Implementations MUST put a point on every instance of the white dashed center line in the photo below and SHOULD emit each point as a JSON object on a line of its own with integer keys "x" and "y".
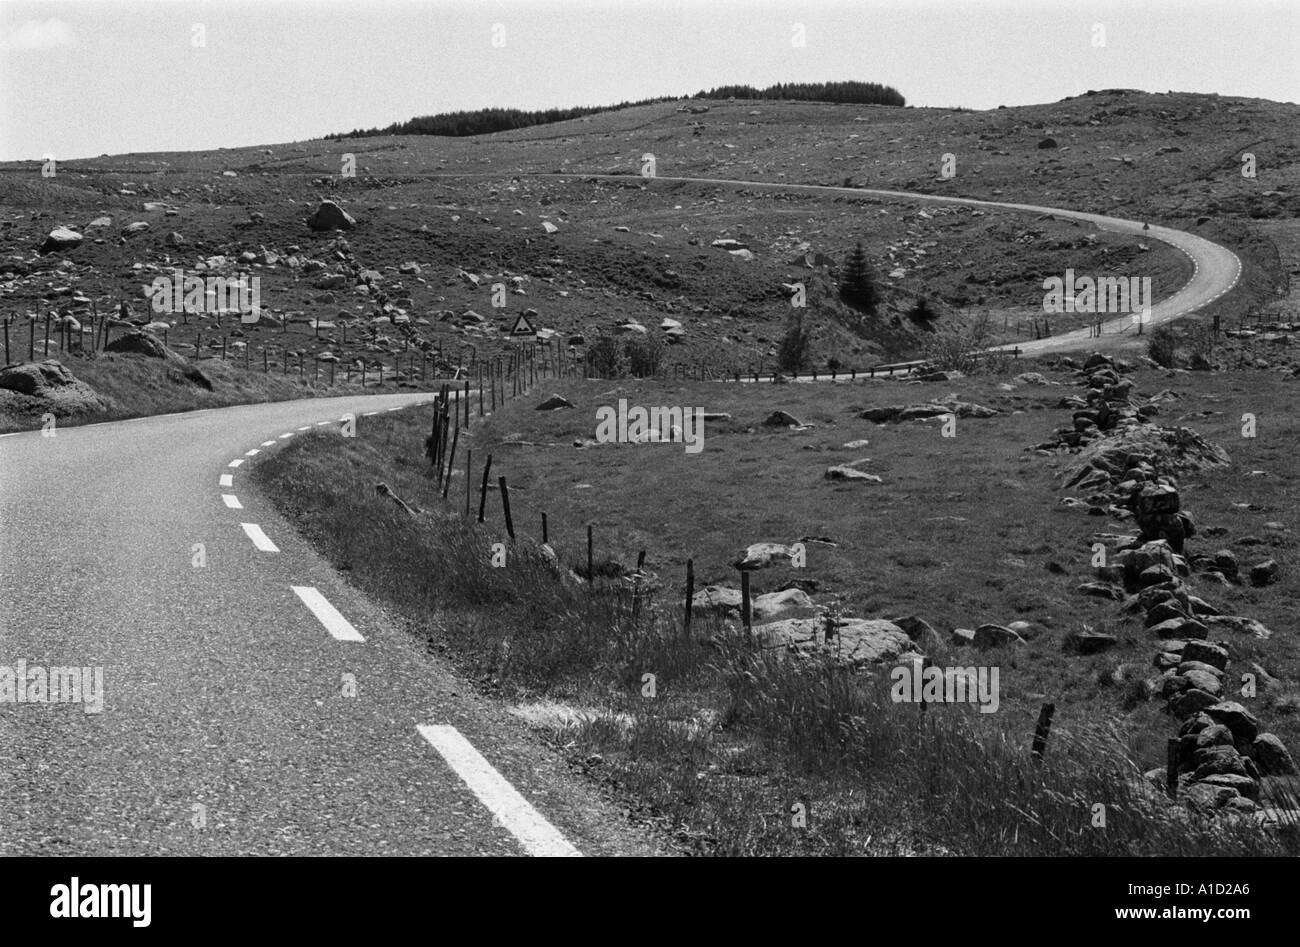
{"x": 259, "y": 538}
{"x": 236, "y": 462}
{"x": 327, "y": 614}
{"x": 513, "y": 811}
{"x": 227, "y": 480}
{"x": 232, "y": 501}
{"x": 322, "y": 423}
{"x": 286, "y": 434}
{"x": 267, "y": 443}
{"x": 252, "y": 453}
{"x": 305, "y": 427}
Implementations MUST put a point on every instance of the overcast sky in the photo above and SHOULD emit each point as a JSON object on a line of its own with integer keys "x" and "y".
{"x": 89, "y": 77}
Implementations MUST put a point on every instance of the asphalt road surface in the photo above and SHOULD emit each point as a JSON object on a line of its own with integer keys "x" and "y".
{"x": 226, "y": 725}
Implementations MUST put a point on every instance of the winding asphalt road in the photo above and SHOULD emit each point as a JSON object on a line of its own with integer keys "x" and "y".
{"x": 225, "y": 726}
{"x": 228, "y": 647}
{"x": 1215, "y": 269}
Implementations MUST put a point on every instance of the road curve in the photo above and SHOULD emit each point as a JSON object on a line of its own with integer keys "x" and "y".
{"x": 226, "y": 725}
{"x": 1215, "y": 269}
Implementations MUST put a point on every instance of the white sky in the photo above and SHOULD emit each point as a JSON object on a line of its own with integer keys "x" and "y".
{"x": 88, "y": 77}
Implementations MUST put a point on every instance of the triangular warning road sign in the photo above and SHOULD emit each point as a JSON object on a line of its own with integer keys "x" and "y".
{"x": 523, "y": 328}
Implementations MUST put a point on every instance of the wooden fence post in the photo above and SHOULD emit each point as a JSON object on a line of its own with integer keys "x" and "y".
{"x": 451, "y": 460}
{"x": 690, "y": 596}
{"x": 482, "y": 499}
{"x": 505, "y": 505}
{"x": 591, "y": 569}
{"x": 1042, "y": 730}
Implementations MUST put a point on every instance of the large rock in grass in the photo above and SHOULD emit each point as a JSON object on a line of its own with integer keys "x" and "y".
{"x": 781, "y": 419}
{"x": 762, "y": 555}
{"x": 330, "y": 216}
{"x": 1271, "y": 756}
{"x": 47, "y": 386}
{"x": 138, "y": 343}
{"x": 60, "y": 239}
{"x": 856, "y": 642}
{"x": 554, "y": 402}
{"x": 774, "y": 605}
{"x": 995, "y": 636}
{"x": 717, "y": 597}
{"x": 33, "y": 378}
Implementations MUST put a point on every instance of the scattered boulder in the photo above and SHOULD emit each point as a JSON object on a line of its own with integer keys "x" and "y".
{"x": 330, "y": 216}
{"x": 138, "y": 343}
{"x": 553, "y": 403}
{"x": 781, "y": 419}
{"x": 1271, "y": 756}
{"x": 60, "y": 239}
{"x": 762, "y": 555}
{"x": 845, "y": 472}
{"x": 774, "y": 605}
{"x": 857, "y": 642}
{"x": 995, "y": 636}
{"x": 1264, "y": 573}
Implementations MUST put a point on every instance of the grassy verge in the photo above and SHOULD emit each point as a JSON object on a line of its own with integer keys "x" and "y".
{"x": 742, "y": 751}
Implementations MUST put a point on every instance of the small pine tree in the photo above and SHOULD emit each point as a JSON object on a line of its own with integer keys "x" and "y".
{"x": 858, "y": 287}
{"x": 924, "y": 312}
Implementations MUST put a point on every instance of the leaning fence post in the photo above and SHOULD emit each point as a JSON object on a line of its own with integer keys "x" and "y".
{"x": 482, "y": 498}
{"x": 1042, "y": 730}
{"x": 505, "y": 505}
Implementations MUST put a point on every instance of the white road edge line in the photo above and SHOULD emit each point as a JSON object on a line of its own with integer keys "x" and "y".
{"x": 515, "y": 813}
{"x": 236, "y": 462}
{"x": 327, "y": 614}
{"x": 232, "y": 501}
{"x": 259, "y": 538}
{"x": 227, "y": 480}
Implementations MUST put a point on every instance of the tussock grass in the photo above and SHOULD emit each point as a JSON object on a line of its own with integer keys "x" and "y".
{"x": 734, "y": 737}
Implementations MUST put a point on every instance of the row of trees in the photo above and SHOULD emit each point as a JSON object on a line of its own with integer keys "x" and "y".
{"x": 857, "y": 93}
{"x": 485, "y": 121}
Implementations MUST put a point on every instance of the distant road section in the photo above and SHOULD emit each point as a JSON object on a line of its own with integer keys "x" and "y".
{"x": 1215, "y": 269}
